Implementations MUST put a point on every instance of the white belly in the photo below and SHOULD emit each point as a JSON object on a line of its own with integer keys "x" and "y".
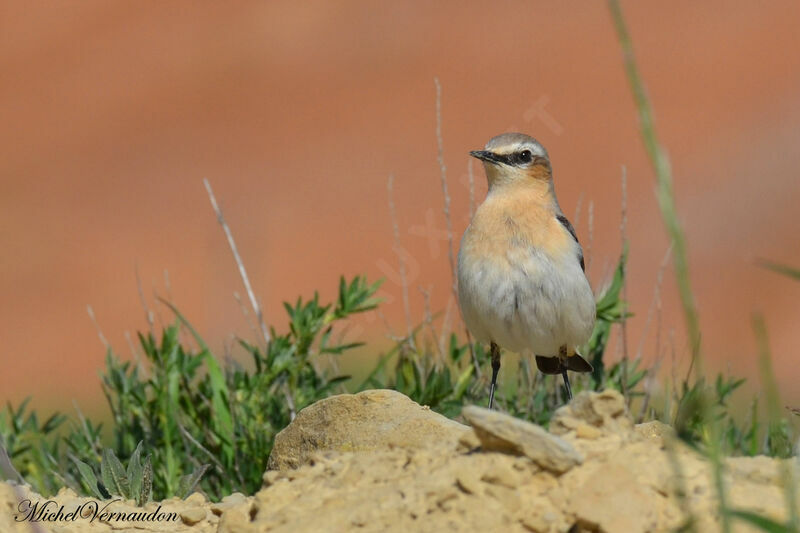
{"x": 529, "y": 301}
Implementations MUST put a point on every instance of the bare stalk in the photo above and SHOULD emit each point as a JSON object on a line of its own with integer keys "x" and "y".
{"x": 445, "y": 191}
{"x": 655, "y": 306}
{"x": 148, "y": 313}
{"x": 446, "y": 329}
{"x": 245, "y": 313}
{"x": 428, "y": 320}
{"x": 578, "y": 206}
{"x": 97, "y": 326}
{"x": 400, "y": 260}
{"x": 590, "y": 222}
{"x": 471, "y": 178}
{"x": 238, "y": 259}
{"x": 623, "y": 231}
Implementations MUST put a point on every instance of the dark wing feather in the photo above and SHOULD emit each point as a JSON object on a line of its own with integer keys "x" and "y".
{"x": 566, "y": 223}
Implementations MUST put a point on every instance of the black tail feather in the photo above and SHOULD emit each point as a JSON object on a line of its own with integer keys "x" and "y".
{"x": 554, "y": 365}
{"x": 548, "y": 365}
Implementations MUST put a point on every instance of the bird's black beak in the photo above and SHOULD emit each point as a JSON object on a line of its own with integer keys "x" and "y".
{"x": 486, "y": 155}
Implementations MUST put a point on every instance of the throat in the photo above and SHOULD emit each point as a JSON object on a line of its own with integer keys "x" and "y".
{"x": 539, "y": 192}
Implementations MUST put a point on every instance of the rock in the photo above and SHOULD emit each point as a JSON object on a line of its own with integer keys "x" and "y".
{"x": 613, "y": 500}
{"x": 654, "y": 430}
{"x": 235, "y": 498}
{"x": 626, "y": 483}
{"x": 503, "y": 433}
{"x": 369, "y": 420}
{"x": 585, "y": 431}
{"x": 503, "y": 475}
{"x": 469, "y": 482}
{"x": 196, "y": 498}
{"x": 604, "y": 411}
{"x": 193, "y": 515}
{"x": 759, "y": 469}
{"x": 236, "y": 520}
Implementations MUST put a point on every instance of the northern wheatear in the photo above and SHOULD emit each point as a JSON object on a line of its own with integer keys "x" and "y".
{"x": 521, "y": 280}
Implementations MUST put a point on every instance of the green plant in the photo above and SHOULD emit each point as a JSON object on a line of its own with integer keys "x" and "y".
{"x": 33, "y": 446}
{"x": 188, "y": 410}
{"x": 191, "y": 410}
{"x": 135, "y": 482}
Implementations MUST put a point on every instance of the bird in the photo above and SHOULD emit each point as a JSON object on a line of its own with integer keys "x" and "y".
{"x": 522, "y": 282}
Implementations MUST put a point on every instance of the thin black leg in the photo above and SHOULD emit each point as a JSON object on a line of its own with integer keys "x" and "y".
{"x": 562, "y": 360}
{"x": 566, "y": 382}
{"x": 495, "y": 350}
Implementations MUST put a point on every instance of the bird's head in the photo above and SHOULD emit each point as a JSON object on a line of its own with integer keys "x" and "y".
{"x": 514, "y": 158}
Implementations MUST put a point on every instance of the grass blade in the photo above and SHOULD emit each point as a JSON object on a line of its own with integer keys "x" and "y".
{"x": 761, "y": 522}
{"x": 665, "y": 193}
{"x": 222, "y": 420}
{"x": 791, "y": 272}
{"x": 188, "y": 482}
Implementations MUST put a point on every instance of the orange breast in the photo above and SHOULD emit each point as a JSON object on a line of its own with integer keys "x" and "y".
{"x": 512, "y": 220}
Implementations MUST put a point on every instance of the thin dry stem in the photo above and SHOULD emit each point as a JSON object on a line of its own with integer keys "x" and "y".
{"x": 168, "y": 286}
{"x": 243, "y": 307}
{"x": 475, "y": 363}
{"x": 159, "y": 319}
{"x": 578, "y": 206}
{"x": 400, "y": 260}
{"x": 137, "y": 357}
{"x": 428, "y": 320}
{"x": 148, "y": 313}
{"x": 391, "y": 334}
{"x": 471, "y": 178}
{"x": 443, "y": 176}
{"x": 188, "y": 436}
{"x": 445, "y": 191}
{"x": 655, "y": 306}
{"x": 446, "y": 329}
{"x": 289, "y": 401}
{"x": 649, "y": 385}
{"x": 239, "y": 264}
{"x": 623, "y": 230}
{"x": 97, "y": 326}
{"x": 590, "y": 222}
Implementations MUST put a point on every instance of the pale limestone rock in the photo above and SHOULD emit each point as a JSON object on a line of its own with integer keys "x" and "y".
{"x": 196, "y": 498}
{"x": 654, "y": 430}
{"x": 193, "y": 515}
{"x": 625, "y": 484}
{"x": 366, "y": 421}
{"x": 503, "y": 433}
{"x": 604, "y": 411}
{"x": 612, "y": 499}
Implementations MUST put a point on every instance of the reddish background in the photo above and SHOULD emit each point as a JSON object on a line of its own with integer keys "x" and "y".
{"x": 112, "y": 113}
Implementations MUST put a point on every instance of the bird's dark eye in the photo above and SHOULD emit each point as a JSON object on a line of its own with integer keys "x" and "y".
{"x": 525, "y": 156}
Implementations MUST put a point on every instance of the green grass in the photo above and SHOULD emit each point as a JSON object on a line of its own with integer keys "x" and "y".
{"x": 190, "y": 417}
{"x": 702, "y": 408}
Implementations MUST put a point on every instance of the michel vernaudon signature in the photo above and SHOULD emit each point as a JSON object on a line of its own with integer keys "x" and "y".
{"x": 51, "y": 511}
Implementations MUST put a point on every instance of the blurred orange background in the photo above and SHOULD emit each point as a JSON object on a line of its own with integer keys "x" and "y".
{"x": 297, "y": 112}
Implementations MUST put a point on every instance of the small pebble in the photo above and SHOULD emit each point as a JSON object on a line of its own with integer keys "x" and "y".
{"x": 193, "y": 515}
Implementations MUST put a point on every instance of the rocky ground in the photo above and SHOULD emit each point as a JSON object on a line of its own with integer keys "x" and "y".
{"x": 376, "y": 461}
